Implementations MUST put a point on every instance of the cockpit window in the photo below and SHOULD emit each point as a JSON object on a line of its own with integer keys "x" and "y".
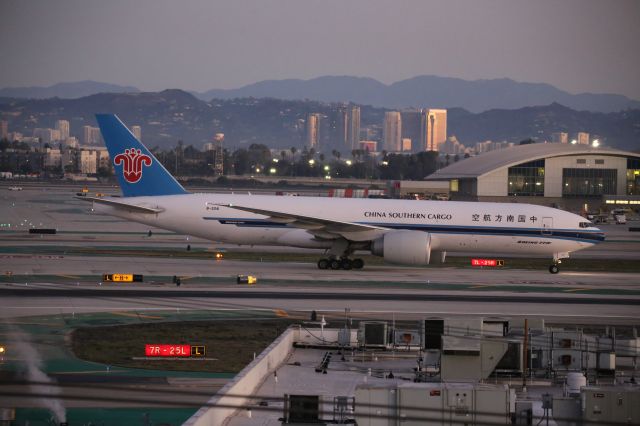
{"x": 586, "y": 224}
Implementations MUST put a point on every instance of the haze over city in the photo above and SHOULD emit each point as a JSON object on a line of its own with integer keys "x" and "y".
{"x": 577, "y": 46}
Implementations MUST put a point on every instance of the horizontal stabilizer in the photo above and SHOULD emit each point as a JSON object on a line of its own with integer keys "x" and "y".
{"x": 124, "y": 206}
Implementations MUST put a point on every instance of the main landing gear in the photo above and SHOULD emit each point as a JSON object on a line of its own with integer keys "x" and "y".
{"x": 554, "y": 269}
{"x": 340, "y": 263}
{"x": 338, "y": 256}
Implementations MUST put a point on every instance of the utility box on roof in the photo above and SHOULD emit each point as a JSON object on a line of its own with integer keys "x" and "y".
{"x": 419, "y": 404}
{"x": 611, "y": 404}
{"x": 376, "y": 405}
{"x": 373, "y": 334}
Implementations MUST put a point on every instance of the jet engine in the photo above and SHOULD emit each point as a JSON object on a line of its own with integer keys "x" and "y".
{"x": 404, "y": 247}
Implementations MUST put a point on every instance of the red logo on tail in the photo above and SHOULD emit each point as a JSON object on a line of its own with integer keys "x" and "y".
{"x": 132, "y": 160}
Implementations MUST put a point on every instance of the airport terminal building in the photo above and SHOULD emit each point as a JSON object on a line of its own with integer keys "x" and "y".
{"x": 548, "y": 171}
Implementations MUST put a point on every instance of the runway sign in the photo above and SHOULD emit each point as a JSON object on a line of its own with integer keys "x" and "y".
{"x": 175, "y": 351}
{"x": 487, "y": 262}
{"x": 122, "y": 278}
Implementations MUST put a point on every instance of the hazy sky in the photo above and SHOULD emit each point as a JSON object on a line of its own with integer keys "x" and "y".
{"x": 576, "y": 45}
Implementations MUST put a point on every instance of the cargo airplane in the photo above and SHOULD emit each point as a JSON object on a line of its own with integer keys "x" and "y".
{"x": 401, "y": 231}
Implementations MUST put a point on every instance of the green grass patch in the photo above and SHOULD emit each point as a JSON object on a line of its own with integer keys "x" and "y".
{"x": 107, "y": 416}
{"x": 232, "y": 343}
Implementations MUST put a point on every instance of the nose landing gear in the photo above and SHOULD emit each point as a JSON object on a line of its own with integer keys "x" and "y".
{"x": 557, "y": 260}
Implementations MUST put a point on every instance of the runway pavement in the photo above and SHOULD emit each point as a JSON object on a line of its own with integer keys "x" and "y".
{"x": 376, "y": 288}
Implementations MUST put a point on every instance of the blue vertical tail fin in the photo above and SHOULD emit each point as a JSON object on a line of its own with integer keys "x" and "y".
{"x": 139, "y": 172}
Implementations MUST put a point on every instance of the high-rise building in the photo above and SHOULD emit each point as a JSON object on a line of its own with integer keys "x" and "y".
{"x": 91, "y": 135}
{"x": 63, "y": 127}
{"x": 392, "y": 133}
{"x": 46, "y": 135}
{"x": 560, "y": 137}
{"x": 312, "y": 132}
{"x": 582, "y": 138}
{"x": 52, "y": 158}
{"x": 433, "y": 128}
{"x": 218, "y": 153}
{"x": 71, "y": 142}
{"x": 102, "y": 158}
{"x": 137, "y": 132}
{"x": 87, "y": 161}
{"x": 340, "y": 128}
{"x": 86, "y": 135}
{"x": 452, "y": 146}
{"x": 353, "y": 129}
{"x": 411, "y": 126}
{"x": 4, "y": 129}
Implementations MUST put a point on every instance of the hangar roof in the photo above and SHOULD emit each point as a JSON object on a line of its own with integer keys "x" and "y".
{"x": 479, "y": 165}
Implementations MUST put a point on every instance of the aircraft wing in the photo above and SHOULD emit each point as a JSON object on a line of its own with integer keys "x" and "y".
{"x": 123, "y": 206}
{"x": 323, "y": 228}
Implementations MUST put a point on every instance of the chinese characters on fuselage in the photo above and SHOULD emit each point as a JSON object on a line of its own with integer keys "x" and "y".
{"x": 521, "y": 218}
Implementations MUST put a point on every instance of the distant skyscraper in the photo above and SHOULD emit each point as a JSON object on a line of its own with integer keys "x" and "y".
{"x": 406, "y": 142}
{"x": 339, "y": 128}
{"x": 433, "y": 128}
{"x": 4, "y": 129}
{"x": 46, "y": 135}
{"x": 452, "y": 146}
{"x": 137, "y": 132}
{"x": 342, "y": 128}
{"x": 91, "y": 135}
{"x": 312, "y": 132}
{"x": 86, "y": 135}
{"x": 582, "y": 138}
{"x": 392, "y": 131}
{"x": 411, "y": 127}
{"x": 218, "y": 153}
{"x": 63, "y": 127}
{"x": 560, "y": 137}
{"x": 353, "y": 130}
{"x": 87, "y": 161}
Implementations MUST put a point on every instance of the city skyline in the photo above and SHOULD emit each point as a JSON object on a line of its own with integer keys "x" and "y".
{"x": 225, "y": 44}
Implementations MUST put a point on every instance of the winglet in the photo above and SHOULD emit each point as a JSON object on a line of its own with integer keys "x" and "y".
{"x": 138, "y": 171}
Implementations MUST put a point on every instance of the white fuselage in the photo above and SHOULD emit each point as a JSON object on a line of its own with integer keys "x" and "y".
{"x": 454, "y": 226}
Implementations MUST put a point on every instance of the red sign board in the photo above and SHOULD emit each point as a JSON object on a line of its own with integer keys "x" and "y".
{"x": 168, "y": 350}
{"x": 486, "y": 262}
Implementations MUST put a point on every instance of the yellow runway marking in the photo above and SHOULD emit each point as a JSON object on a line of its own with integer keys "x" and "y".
{"x": 576, "y": 289}
{"x": 69, "y": 276}
{"x": 280, "y": 313}
{"x": 128, "y": 314}
{"x": 482, "y": 286}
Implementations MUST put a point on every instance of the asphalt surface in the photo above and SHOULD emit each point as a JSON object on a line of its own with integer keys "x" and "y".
{"x": 63, "y": 283}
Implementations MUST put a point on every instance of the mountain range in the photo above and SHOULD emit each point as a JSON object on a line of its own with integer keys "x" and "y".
{"x": 425, "y": 91}
{"x": 65, "y": 90}
{"x": 173, "y": 115}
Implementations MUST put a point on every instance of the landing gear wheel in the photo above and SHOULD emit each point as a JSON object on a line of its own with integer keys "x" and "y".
{"x": 357, "y": 263}
{"x": 346, "y": 264}
{"x": 334, "y": 264}
{"x": 323, "y": 264}
{"x": 554, "y": 269}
